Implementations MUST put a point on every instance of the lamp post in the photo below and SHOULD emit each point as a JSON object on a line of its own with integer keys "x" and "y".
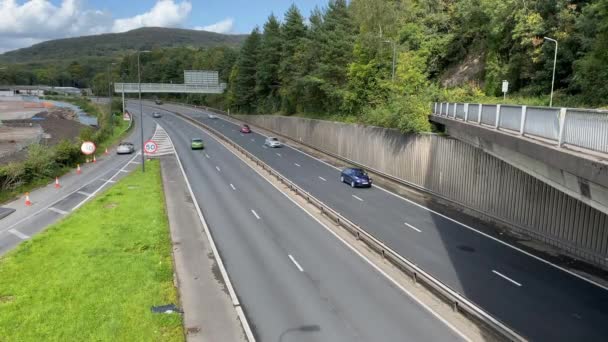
{"x": 554, "y": 65}
{"x": 110, "y": 97}
{"x": 394, "y": 57}
{"x": 141, "y": 112}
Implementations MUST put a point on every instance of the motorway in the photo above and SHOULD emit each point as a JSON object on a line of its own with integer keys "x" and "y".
{"x": 539, "y": 300}
{"x": 50, "y": 204}
{"x": 296, "y": 280}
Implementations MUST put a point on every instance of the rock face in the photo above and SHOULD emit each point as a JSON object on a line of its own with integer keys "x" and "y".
{"x": 470, "y": 70}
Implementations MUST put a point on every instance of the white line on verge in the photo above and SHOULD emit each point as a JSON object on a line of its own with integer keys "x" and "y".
{"x": 18, "y": 234}
{"x": 232, "y": 186}
{"x": 206, "y": 156}
{"x": 58, "y": 211}
{"x": 218, "y": 169}
{"x": 323, "y": 179}
{"x": 255, "y": 214}
{"x": 359, "y": 198}
{"x": 83, "y": 193}
{"x": 505, "y": 277}
{"x": 414, "y": 228}
{"x": 296, "y": 263}
{"x": 296, "y": 164}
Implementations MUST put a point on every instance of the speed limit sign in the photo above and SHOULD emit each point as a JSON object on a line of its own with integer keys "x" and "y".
{"x": 150, "y": 147}
{"x": 88, "y": 148}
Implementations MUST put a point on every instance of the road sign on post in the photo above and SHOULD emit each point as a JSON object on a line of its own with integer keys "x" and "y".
{"x": 150, "y": 147}
{"x": 88, "y": 148}
{"x": 126, "y": 116}
{"x": 505, "y": 88}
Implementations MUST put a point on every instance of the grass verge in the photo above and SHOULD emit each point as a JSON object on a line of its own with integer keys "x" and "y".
{"x": 95, "y": 275}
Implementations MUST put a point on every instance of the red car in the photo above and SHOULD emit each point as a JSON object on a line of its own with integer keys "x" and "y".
{"x": 245, "y": 129}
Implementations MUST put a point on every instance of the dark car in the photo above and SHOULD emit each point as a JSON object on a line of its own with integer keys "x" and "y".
{"x": 158, "y": 102}
{"x": 355, "y": 177}
{"x": 245, "y": 129}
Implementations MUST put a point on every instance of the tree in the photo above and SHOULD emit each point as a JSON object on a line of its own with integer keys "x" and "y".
{"x": 243, "y": 81}
{"x": 267, "y": 75}
{"x": 293, "y": 32}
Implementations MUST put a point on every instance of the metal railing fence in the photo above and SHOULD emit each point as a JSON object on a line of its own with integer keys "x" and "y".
{"x": 584, "y": 128}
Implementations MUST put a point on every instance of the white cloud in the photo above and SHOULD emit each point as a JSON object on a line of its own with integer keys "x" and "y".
{"x": 165, "y": 13}
{"x": 224, "y": 26}
{"x": 25, "y": 23}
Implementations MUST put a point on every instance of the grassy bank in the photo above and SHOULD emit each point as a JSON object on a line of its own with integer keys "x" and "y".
{"x": 94, "y": 275}
{"x": 43, "y": 164}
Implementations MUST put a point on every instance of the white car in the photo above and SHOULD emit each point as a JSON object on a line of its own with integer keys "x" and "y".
{"x": 211, "y": 116}
{"x": 272, "y": 142}
{"x": 125, "y": 148}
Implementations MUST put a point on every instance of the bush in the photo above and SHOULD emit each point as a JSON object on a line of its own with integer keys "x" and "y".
{"x": 66, "y": 153}
{"x": 11, "y": 176}
{"x": 40, "y": 163}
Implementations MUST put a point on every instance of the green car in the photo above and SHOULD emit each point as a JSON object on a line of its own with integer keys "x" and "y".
{"x": 197, "y": 144}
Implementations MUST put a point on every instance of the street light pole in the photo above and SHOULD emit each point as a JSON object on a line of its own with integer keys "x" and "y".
{"x": 110, "y": 97}
{"x": 394, "y": 57}
{"x": 554, "y": 65}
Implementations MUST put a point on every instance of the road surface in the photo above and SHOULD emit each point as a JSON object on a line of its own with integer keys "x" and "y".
{"x": 536, "y": 298}
{"x": 296, "y": 280}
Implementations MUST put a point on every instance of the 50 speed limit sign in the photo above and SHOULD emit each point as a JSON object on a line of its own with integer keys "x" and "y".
{"x": 88, "y": 148}
{"x": 150, "y": 147}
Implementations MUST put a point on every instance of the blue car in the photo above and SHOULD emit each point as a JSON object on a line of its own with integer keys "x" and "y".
{"x": 355, "y": 177}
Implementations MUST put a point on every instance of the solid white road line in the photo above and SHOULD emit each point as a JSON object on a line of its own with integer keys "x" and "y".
{"x": 414, "y": 228}
{"x": 58, "y": 211}
{"x": 207, "y": 156}
{"x": 123, "y": 170}
{"x": 232, "y": 186}
{"x": 296, "y": 164}
{"x": 107, "y": 180}
{"x": 83, "y": 193}
{"x": 505, "y": 277}
{"x": 135, "y": 162}
{"x": 218, "y": 169}
{"x": 18, "y": 234}
{"x": 359, "y": 198}
{"x": 255, "y": 214}
{"x": 296, "y": 263}
{"x": 323, "y": 179}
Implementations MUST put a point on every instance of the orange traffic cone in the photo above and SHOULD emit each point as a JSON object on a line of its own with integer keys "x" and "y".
{"x": 94, "y": 160}
{"x": 87, "y": 160}
{"x": 106, "y": 153}
{"x": 27, "y": 199}
{"x": 78, "y": 169}
{"x": 57, "y": 186}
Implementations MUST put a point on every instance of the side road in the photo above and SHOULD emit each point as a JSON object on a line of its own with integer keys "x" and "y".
{"x": 208, "y": 311}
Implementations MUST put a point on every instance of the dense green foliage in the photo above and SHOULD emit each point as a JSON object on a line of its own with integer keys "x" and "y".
{"x": 340, "y": 63}
{"x": 75, "y": 61}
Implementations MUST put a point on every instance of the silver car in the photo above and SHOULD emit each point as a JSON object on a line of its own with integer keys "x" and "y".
{"x": 125, "y": 148}
{"x": 272, "y": 142}
{"x": 211, "y": 116}
{"x": 156, "y": 115}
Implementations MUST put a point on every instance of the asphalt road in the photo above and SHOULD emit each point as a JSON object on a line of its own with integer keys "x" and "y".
{"x": 287, "y": 269}
{"x": 540, "y": 301}
{"x": 50, "y": 204}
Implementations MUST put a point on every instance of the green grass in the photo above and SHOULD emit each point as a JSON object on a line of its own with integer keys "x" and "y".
{"x": 94, "y": 275}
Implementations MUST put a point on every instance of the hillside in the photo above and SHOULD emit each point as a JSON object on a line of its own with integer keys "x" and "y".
{"x": 112, "y": 44}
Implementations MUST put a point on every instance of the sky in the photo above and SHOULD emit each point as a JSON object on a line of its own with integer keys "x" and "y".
{"x": 27, "y": 22}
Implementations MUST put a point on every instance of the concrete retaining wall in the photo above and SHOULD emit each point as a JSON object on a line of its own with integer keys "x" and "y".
{"x": 462, "y": 173}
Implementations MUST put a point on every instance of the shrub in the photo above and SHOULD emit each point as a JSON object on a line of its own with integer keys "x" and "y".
{"x": 66, "y": 153}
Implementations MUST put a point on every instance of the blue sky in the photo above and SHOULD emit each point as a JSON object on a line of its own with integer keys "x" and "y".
{"x": 27, "y": 22}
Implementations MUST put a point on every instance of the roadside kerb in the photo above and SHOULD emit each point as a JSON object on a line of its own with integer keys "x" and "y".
{"x": 458, "y": 302}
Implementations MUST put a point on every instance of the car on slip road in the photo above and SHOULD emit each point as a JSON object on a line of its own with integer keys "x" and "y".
{"x": 356, "y": 177}
{"x": 158, "y": 102}
{"x": 245, "y": 129}
{"x": 197, "y": 144}
{"x": 211, "y": 116}
{"x": 125, "y": 148}
{"x": 156, "y": 115}
{"x": 272, "y": 142}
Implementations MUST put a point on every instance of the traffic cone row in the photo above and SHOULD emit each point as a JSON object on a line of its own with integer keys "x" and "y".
{"x": 94, "y": 160}
{"x": 27, "y": 199}
{"x": 57, "y": 186}
{"x": 78, "y": 171}
{"x": 106, "y": 152}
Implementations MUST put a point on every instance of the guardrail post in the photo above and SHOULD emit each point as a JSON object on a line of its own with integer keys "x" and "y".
{"x": 497, "y": 116}
{"x": 562, "y": 123}
{"x": 454, "y": 111}
{"x": 466, "y": 112}
{"x": 435, "y": 109}
{"x": 447, "y": 109}
{"x": 479, "y": 114}
{"x": 524, "y": 111}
